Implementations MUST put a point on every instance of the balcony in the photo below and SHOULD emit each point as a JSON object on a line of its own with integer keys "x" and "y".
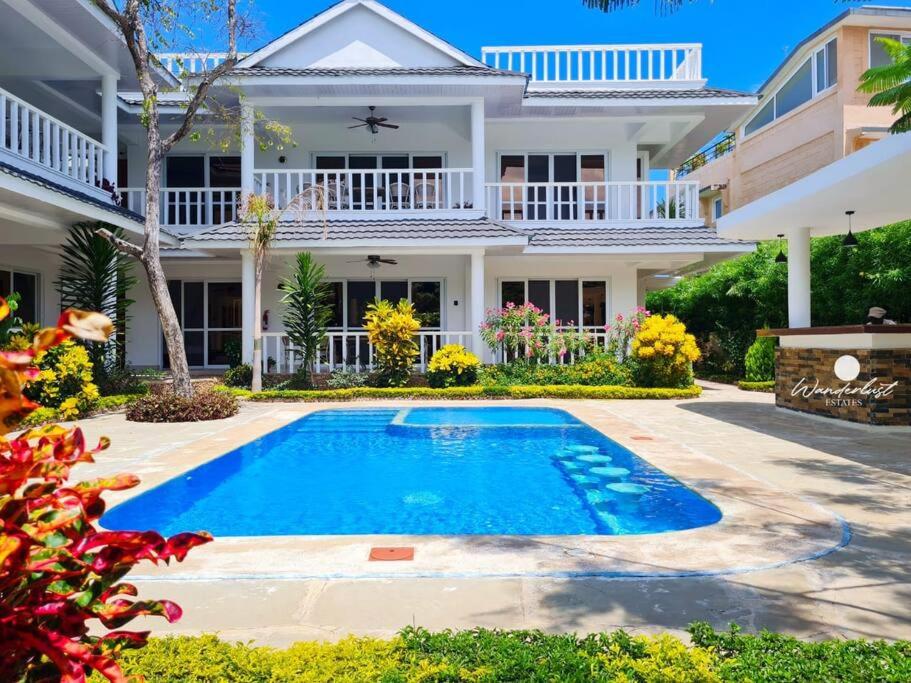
{"x": 39, "y": 143}
{"x": 187, "y": 207}
{"x": 721, "y": 148}
{"x": 601, "y": 65}
{"x": 590, "y": 202}
{"x": 358, "y": 192}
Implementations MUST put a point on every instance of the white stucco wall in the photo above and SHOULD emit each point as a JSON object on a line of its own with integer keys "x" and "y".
{"x": 45, "y": 264}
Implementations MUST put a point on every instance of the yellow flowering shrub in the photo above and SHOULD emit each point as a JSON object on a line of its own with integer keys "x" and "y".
{"x": 64, "y": 381}
{"x": 664, "y": 353}
{"x": 391, "y": 329}
{"x": 453, "y": 366}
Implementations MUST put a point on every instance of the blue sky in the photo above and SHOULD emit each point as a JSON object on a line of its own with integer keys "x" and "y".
{"x": 744, "y": 41}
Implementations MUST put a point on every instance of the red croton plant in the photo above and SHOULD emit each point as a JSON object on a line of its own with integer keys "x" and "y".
{"x": 57, "y": 570}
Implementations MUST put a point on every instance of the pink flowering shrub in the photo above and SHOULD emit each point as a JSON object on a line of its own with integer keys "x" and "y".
{"x": 623, "y": 330}
{"x": 526, "y": 332}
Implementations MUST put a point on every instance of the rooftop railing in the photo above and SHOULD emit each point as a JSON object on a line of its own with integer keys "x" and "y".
{"x": 724, "y": 146}
{"x": 598, "y": 64}
{"x": 182, "y": 63}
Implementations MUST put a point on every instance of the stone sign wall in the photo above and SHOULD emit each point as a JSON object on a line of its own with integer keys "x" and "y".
{"x": 871, "y": 386}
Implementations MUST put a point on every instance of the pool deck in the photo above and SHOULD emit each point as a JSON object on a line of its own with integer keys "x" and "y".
{"x": 815, "y": 538}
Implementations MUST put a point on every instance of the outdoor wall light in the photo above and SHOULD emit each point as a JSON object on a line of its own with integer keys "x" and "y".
{"x": 781, "y": 258}
{"x": 850, "y": 241}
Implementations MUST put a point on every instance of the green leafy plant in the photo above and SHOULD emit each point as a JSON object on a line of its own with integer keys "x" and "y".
{"x": 764, "y": 387}
{"x": 233, "y": 352}
{"x": 594, "y": 369}
{"x": 58, "y": 571}
{"x": 526, "y": 332}
{"x": 664, "y": 353}
{"x": 64, "y": 380}
{"x": 453, "y": 366}
{"x": 9, "y": 322}
{"x": 96, "y": 276}
{"x": 391, "y": 329}
{"x": 166, "y": 406}
{"x": 891, "y": 83}
{"x": 307, "y": 311}
{"x": 760, "y": 360}
{"x": 238, "y": 376}
{"x": 348, "y": 378}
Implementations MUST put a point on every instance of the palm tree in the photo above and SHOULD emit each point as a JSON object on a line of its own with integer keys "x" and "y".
{"x": 264, "y": 221}
{"x": 891, "y": 83}
{"x": 307, "y": 311}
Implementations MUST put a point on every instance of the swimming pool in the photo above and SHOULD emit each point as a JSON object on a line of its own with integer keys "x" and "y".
{"x": 475, "y": 470}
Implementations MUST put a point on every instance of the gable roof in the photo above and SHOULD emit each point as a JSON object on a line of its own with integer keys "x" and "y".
{"x": 344, "y": 6}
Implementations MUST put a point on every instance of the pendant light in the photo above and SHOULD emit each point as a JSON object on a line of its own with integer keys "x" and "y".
{"x": 781, "y": 258}
{"x": 850, "y": 241}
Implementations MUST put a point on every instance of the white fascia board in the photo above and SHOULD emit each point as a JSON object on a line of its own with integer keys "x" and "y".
{"x": 297, "y": 81}
{"x": 683, "y": 250}
{"x": 534, "y": 86}
{"x": 54, "y": 198}
{"x": 339, "y": 9}
{"x": 656, "y": 102}
{"x": 356, "y": 101}
{"x": 425, "y": 246}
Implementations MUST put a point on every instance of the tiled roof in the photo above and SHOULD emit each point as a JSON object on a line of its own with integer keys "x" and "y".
{"x": 459, "y": 70}
{"x": 389, "y": 229}
{"x": 629, "y": 94}
{"x": 69, "y": 192}
{"x": 645, "y": 236}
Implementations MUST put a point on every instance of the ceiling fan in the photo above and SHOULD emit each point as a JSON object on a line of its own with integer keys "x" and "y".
{"x": 374, "y": 261}
{"x": 373, "y": 123}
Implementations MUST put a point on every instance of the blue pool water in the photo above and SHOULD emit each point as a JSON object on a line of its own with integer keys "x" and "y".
{"x": 422, "y": 471}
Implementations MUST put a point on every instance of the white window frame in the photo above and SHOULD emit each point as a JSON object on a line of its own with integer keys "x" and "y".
{"x": 345, "y": 280}
{"x": 883, "y": 33}
{"x": 207, "y": 156}
{"x": 347, "y": 157}
{"x": 205, "y": 329}
{"x": 608, "y": 312}
{"x": 550, "y": 154}
{"x": 13, "y": 271}
{"x": 773, "y": 96}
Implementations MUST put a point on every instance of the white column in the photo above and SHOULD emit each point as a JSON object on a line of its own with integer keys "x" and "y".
{"x": 478, "y": 162}
{"x": 476, "y": 314}
{"x": 247, "y": 150}
{"x": 109, "y": 127}
{"x": 247, "y": 275}
{"x": 799, "y": 278}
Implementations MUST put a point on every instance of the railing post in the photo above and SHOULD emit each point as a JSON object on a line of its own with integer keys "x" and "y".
{"x": 109, "y": 128}
{"x": 247, "y": 151}
{"x": 478, "y": 162}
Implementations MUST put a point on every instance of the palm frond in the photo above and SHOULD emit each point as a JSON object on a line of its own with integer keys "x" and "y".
{"x": 96, "y": 276}
{"x": 307, "y": 311}
{"x": 890, "y": 84}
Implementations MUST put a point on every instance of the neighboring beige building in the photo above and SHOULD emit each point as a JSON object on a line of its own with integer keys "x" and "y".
{"x": 809, "y": 113}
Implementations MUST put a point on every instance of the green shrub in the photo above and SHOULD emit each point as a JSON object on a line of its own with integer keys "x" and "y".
{"x": 453, "y": 366}
{"x": 64, "y": 381}
{"x": 239, "y": 376}
{"x": 767, "y": 387}
{"x": 114, "y": 381}
{"x": 775, "y": 657}
{"x": 595, "y": 369}
{"x": 568, "y": 391}
{"x": 760, "y": 360}
{"x": 391, "y": 329}
{"x": 348, "y": 379}
{"x": 165, "y": 406}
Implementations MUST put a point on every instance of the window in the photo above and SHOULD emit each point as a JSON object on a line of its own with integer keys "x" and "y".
{"x": 814, "y": 76}
{"x": 349, "y": 300}
{"x": 26, "y": 286}
{"x": 210, "y": 315}
{"x": 717, "y": 208}
{"x": 547, "y": 202}
{"x": 580, "y": 302}
{"x": 878, "y": 54}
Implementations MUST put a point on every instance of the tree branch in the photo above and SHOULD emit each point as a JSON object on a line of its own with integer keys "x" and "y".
{"x": 121, "y": 244}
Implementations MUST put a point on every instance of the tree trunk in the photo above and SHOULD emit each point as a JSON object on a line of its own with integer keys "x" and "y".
{"x": 158, "y": 282}
{"x": 257, "y": 383}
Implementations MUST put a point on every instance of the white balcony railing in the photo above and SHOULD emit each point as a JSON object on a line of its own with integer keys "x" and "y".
{"x": 399, "y": 190}
{"x": 182, "y": 63}
{"x": 594, "y": 201}
{"x": 350, "y": 350}
{"x": 187, "y": 207}
{"x": 596, "y": 64}
{"x": 49, "y": 143}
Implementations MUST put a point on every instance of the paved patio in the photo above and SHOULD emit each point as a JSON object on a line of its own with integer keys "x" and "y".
{"x": 780, "y": 466}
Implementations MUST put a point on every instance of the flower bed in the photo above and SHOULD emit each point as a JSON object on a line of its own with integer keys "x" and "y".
{"x": 482, "y": 655}
{"x": 473, "y": 392}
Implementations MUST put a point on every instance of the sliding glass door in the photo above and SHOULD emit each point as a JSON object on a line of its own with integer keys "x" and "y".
{"x": 579, "y": 303}
{"x": 210, "y": 316}
{"x": 561, "y": 187}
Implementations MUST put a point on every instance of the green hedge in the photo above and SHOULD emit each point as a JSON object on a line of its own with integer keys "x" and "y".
{"x": 104, "y": 404}
{"x": 475, "y": 392}
{"x": 767, "y": 387}
{"x": 482, "y": 655}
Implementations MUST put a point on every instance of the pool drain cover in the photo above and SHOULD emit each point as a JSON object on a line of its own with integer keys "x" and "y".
{"x": 401, "y": 554}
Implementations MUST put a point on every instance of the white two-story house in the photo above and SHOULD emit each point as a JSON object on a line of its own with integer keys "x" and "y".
{"x": 418, "y": 171}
